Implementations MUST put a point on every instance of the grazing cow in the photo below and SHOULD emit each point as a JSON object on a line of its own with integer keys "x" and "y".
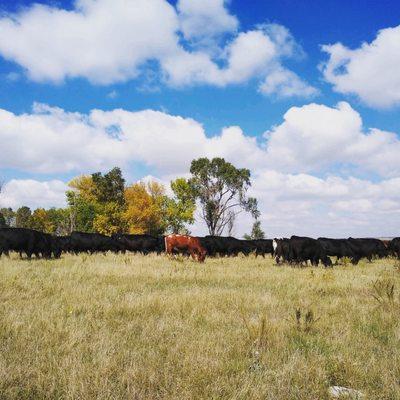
{"x": 185, "y": 244}
{"x": 263, "y": 246}
{"x": 281, "y": 250}
{"x": 140, "y": 243}
{"x": 367, "y": 248}
{"x": 297, "y": 250}
{"x": 226, "y": 246}
{"x": 28, "y": 241}
{"x": 339, "y": 248}
{"x": 92, "y": 243}
{"x": 303, "y": 249}
{"x": 394, "y": 247}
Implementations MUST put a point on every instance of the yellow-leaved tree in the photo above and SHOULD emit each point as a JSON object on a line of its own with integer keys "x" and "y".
{"x": 144, "y": 208}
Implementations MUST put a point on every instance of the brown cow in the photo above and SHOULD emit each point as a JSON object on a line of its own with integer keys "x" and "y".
{"x": 185, "y": 243}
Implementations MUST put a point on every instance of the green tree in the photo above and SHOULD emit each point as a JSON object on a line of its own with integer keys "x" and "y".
{"x": 60, "y": 220}
{"x": 256, "y": 232}
{"x": 82, "y": 212}
{"x": 9, "y": 216}
{"x": 221, "y": 190}
{"x": 2, "y": 221}
{"x": 179, "y": 210}
{"x": 23, "y": 217}
{"x": 40, "y": 221}
{"x": 109, "y": 187}
{"x": 109, "y": 220}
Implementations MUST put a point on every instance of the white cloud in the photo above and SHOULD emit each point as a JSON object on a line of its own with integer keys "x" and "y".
{"x": 285, "y": 83}
{"x": 315, "y": 137}
{"x": 204, "y": 18}
{"x": 370, "y": 71}
{"x": 339, "y": 207}
{"x": 311, "y": 139}
{"x": 107, "y": 41}
{"x": 32, "y": 193}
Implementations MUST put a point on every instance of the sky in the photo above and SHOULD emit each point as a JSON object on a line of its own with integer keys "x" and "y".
{"x": 304, "y": 94}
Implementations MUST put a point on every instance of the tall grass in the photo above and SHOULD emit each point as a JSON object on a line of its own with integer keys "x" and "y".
{"x": 148, "y": 327}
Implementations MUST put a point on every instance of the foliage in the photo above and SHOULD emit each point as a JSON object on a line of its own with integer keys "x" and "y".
{"x": 82, "y": 212}
{"x": 40, "y": 220}
{"x": 144, "y": 208}
{"x": 180, "y": 209}
{"x": 110, "y": 187}
{"x": 23, "y": 217}
{"x": 109, "y": 220}
{"x": 221, "y": 190}
{"x": 9, "y": 216}
{"x": 256, "y": 232}
{"x": 3, "y": 223}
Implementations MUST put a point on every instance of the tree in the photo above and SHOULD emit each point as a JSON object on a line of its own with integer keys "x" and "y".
{"x": 109, "y": 187}
{"x": 23, "y": 217}
{"x": 144, "y": 208}
{"x": 58, "y": 220}
{"x": 109, "y": 220}
{"x": 256, "y": 232}
{"x": 41, "y": 222}
{"x": 180, "y": 208}
{"x": 221, "y": 190}
{"x": 81, "y": 212}
{"x": 2, "y": 221}
{"x": 9, "y": 216}
{"x": 82, "y": 203}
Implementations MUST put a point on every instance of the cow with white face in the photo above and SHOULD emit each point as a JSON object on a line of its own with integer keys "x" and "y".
{"x": 281, "y": 250}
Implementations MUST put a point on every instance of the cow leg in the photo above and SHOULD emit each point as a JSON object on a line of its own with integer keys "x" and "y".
{"x": 355, "y": 260}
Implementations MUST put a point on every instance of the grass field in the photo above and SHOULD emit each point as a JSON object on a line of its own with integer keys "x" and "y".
{"x": 147, "y": 327}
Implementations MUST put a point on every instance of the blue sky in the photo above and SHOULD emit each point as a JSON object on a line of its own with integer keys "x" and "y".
{"x": 214, "y": 64}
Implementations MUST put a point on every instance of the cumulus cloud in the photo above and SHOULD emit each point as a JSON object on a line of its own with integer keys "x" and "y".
{"x": 311, "y": 138}
{"x": 297, "y": 167}
{"x": 33, "y": 193}
{"x": 204, "y": 18}
{"x": 285, "y": 83}
{"x": 371, "y": 71}
{"x": 315, "y": 137}
{"x": 108, "y": 41}
{"x": 339, "y": 207}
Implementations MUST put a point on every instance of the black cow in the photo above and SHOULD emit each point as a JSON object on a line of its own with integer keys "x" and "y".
{"x": 262, "y": 246}
{"x": 394, "y": 247}
{"x": 303, "y": 249}
{"x": 339, "y": 248}
{"x": 367, "y": 248}
{"x": 28, "y": 241}
{"x": 226, "y": 246}
{"x": 140, "y": 243}
{"x": 64, "y": 243}
{"x": 281, "y": 250}
{"x": 92, "y": 243}
{"x": 297, "y": 250}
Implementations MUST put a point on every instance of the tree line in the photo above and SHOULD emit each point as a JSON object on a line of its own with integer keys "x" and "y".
{"x": 104, "y": 203}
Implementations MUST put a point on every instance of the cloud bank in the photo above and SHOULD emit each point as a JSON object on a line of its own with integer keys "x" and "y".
{"x": 318, "y": 172}
{"x": 109, "y": 41}
{"x": 371, "y": 71}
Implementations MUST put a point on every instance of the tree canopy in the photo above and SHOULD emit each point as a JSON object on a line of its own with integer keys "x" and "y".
{"x": 102, "y": 202}
{"x": 221, "y": 191}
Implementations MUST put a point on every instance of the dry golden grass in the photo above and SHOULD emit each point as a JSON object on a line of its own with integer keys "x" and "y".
{"x": 119, "y": 327}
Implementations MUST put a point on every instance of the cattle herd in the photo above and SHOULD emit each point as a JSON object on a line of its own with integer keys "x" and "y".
{"x": 296, "y": 250}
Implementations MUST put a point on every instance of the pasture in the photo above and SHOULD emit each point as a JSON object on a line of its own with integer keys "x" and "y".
{"x": 150, "y": 327}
